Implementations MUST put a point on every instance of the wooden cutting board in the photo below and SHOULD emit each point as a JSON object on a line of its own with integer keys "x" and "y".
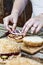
{"x": 31, "y": 50}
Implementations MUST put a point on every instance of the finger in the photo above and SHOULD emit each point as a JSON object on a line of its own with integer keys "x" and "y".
{"x": 34, "y": 27}
{"x": 27, "y": 28}
{"x": 7, "y": 27}
{"x": 38, "y": 28}
{"x": 28, "y": 24}
{"x": 14, "y": 27}
{"x": 6, "y": 21}
{"x": 25, "y": 25}
{"x": 32, "y": 30}
{"x": 25, "y": 31}
{"x": 14, "y": 24}
{"x": 35, "y": 24}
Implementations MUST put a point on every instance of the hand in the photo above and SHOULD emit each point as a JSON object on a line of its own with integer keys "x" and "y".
{"x": 34, "y": 24}
{"x": 11, "y": 18}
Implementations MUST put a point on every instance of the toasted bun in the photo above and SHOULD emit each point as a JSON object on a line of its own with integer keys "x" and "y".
{"x": 22, "y": 61}
{"x": 17, "y": 38}
{"x": 33, "y": 40}
{"x": 8, "y": 45}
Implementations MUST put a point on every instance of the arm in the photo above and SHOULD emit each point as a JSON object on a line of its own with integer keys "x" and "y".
{"x": 17, "y": 9}
{"x": 19, "y": 6}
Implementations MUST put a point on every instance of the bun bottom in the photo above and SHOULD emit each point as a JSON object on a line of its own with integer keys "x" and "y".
{"x": 35, "y": 44}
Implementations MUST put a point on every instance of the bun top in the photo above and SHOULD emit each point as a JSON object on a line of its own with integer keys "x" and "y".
{"x": 33, "y": 39}
{"x": 8, "y": 45}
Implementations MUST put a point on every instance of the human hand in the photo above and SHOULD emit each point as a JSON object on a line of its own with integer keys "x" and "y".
{"x": 34, "y": 24}
{"x": 11, "y": 18}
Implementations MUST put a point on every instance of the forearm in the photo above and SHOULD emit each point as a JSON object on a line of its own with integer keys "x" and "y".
{"x": 19, "y": 6}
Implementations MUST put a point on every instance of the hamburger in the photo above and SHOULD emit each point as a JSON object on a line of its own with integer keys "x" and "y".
{"x": 8, "y": 47}
{"x": 33, "y": 41}
{"x": 22, "y": 61}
